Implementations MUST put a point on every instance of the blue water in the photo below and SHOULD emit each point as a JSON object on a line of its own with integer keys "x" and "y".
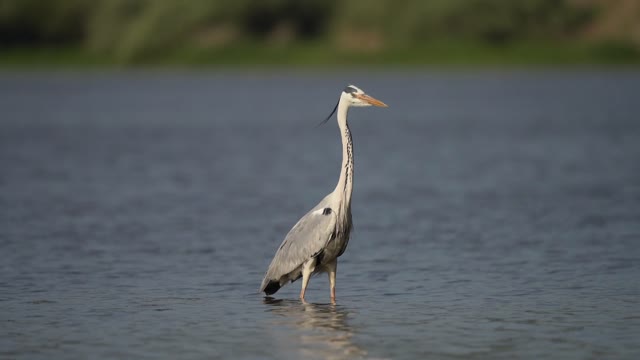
{"x": 497, "y": 215}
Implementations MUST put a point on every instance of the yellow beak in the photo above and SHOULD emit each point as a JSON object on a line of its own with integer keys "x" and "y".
{"x": 368, "y": 99}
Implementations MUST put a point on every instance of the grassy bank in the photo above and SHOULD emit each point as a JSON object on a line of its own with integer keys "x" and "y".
{"x": 319, "y": 55}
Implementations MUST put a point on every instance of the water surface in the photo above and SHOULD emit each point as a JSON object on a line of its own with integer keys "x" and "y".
{"x": 497, "y": 215}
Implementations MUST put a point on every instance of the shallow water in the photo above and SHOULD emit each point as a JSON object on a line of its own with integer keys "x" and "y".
{"x": 497, "y": 215}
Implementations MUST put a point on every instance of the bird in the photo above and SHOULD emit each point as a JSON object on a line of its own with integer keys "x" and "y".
{"x": 316, "y": 241}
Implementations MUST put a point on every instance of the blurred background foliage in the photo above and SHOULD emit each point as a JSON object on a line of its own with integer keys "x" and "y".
{"x": 318, "y": 31}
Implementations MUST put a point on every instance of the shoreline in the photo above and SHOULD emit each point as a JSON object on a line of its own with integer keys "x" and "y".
{"x": 305, "y": 56}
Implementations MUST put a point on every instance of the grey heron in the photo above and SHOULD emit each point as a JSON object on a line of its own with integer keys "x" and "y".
{"x": 316, "y": 241}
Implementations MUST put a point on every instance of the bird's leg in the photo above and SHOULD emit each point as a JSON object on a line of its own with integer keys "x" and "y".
{"x": 307, "y": 269}
{"x": 305, "y": 281}
{"x": 333, "y": 268}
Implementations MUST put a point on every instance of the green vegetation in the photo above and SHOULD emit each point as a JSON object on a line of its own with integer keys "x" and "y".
{"x": 117, "y": 33}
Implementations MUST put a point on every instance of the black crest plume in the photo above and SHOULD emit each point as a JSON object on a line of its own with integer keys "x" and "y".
{"x": 330, "y": 115}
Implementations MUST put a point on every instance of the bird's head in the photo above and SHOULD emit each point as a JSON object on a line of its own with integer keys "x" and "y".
{"x": 356, "y": 97}
{"x": 353, "y": 96}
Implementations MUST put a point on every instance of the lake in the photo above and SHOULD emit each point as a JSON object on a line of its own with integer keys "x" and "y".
{"x": 496, "y": 214}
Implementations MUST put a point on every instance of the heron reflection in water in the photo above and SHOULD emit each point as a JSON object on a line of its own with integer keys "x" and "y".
{"x": 321, "y": 329}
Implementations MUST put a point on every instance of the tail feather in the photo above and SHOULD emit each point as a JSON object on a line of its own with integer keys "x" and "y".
{"x": 272, "y": 287}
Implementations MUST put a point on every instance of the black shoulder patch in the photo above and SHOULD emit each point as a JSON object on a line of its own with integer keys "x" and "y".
{"x": 326, "y": 211}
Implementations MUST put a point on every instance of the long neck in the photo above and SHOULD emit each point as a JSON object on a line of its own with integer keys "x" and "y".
{"x": 345, "y": 183}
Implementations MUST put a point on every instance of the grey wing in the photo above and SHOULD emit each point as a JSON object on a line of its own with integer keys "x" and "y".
{"x": 304, "y": 241}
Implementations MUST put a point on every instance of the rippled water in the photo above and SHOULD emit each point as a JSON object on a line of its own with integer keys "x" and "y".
{"x": 497, "y": 215}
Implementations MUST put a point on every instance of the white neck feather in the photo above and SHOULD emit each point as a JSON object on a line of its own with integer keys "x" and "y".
{"x": 345, "y": 183}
